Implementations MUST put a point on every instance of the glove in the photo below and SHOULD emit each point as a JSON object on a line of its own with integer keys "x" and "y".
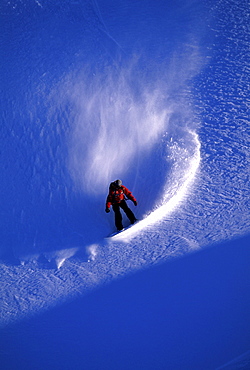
{"x": 107, "y": 210}
{"x": 135, "y": 202}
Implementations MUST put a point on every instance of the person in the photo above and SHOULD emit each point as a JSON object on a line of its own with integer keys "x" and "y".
{"x": 117, "y": 198}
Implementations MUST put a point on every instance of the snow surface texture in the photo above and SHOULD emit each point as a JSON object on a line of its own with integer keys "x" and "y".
{"x": 81, "y": 111}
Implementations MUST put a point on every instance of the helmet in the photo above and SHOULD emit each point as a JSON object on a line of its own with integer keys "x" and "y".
{"x": 118, "y": 183}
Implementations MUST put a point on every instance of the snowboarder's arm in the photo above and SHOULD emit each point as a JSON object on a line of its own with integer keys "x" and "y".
{"x": 108, "y": 204}
{"x": 109, "y": 201}
{"x": 129, "y": 195}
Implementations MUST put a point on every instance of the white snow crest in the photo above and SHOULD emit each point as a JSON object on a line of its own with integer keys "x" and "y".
{"x": 172, "y": 197}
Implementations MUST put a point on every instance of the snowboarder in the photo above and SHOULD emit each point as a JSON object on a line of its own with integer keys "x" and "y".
{"x": 116, "y": 198}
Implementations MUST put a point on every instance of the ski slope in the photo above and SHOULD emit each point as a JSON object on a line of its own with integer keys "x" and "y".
{"x": 95, "y": 91}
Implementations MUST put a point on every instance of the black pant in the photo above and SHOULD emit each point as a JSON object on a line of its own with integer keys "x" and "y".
{"x": 118, "y": 216}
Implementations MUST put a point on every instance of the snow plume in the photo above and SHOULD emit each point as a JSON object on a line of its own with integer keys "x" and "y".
{"x": 92, "y": 252}
{"x": 116, "y": 117}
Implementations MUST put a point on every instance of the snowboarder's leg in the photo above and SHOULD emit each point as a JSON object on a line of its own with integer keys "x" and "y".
{"x": 128, "y": 211}
{"x": 118, "y": 217}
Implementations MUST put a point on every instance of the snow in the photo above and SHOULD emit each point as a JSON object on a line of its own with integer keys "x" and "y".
{"x": 92, "y": 92}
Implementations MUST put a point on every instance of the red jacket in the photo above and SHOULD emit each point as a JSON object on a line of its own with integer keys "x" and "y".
{"x": 116, "y": 195}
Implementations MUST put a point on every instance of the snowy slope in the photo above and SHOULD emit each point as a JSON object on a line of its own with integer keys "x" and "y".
{"x": 95, "y": 91}
{"x": 78, "y": 128}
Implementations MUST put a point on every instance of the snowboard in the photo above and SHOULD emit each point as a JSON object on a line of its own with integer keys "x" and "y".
{"x": 117, "y": 232}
